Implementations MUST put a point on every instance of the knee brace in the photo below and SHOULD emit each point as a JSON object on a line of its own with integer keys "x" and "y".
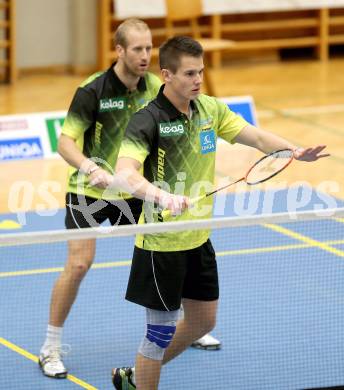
{"x": 161, "y": 327}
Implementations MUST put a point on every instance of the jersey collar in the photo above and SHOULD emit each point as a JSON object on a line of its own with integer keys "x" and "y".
{"x": 167, "y": 106}
{"x": 119, "y": 87}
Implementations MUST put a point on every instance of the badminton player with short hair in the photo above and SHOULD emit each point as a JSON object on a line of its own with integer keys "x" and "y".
{"x": 175, "y": 137}
{"x": 90, "y": 141}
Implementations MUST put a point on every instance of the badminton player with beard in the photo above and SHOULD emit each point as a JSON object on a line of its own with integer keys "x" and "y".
{"x": 176, "y": 134}
{"x": 90, "y": 141}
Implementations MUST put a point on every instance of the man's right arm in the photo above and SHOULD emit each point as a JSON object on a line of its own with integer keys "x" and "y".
{"x": 70, "y": 152}
{"x": 81, "y": 115}
{"x": 130, "y": 180}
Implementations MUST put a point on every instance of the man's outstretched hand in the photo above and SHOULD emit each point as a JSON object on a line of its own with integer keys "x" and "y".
{"x": 310, "y": 154}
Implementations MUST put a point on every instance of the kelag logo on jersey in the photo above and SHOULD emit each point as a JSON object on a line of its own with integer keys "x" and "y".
{"x": 111, "y": 104}
{"x": 20, "y": 148}
{"x": 170, "y": 129}
{"x": 207, "y": 141}
{"x": 206, "y": 122}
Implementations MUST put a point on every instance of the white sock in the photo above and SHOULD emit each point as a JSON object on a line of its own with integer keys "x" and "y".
{"x": 53, "y": 339}
{"x": 181, "y": 313}
{"x": 133, "y": 376}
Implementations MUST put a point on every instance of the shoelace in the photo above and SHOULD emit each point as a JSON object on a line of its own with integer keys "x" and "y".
{"x": 55, "y": 354}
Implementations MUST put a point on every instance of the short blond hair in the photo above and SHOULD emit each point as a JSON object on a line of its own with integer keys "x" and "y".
{"x": 124, "y": 27}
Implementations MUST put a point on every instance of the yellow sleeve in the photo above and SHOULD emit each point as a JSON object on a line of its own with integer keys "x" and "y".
{"x": 134, "y": 150}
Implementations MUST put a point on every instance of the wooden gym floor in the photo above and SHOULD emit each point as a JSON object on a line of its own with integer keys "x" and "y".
{"x": 301, "y": 100}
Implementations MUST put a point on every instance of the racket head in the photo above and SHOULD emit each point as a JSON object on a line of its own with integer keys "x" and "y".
{"x": 269, "y": 166}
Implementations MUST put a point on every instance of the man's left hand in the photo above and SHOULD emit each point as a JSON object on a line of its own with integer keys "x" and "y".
{"x": 310, "y": 154}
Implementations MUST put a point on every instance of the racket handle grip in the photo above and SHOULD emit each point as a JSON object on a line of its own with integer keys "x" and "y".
{"x": 168, "y": 214}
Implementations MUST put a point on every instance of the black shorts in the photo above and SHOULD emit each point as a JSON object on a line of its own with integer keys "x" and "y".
{"x": 159, "y": 280}
{"x": 84, "y": 211}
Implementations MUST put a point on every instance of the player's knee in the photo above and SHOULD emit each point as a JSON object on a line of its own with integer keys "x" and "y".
{"x": 161, "y": 328}
{"x": 79, "y": 262}
{"x": 157, "y": 339}
{"x": 79, "y": 269}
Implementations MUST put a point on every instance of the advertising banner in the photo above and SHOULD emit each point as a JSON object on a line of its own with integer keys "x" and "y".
{"x": 28, "y": 136}
{"x": 156, "y": 8}
{"x": 20, "y": 148}
{"x": 243, "y": 106}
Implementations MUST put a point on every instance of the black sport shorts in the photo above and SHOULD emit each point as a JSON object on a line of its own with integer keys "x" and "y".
{"x": 84, "y": 211}
{"x": 159, "y": 280}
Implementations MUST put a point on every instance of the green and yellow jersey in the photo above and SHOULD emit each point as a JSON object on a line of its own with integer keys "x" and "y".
{"x": 178, "y": 155}
{"x": 97, "y": 118}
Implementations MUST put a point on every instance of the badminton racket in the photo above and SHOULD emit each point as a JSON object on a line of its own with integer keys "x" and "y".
{"x": 262, "y": 170}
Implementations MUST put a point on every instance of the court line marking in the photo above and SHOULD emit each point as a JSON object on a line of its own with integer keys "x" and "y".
{"x": 60, "y": 269}
{"x": 232, "y": 252}
{"x": 300, "y": 237}
{"x": 262, "y": 250}
{"x": 34, "y": 358}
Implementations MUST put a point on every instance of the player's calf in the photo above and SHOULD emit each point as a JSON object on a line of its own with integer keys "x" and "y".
{"x": 161, "y": 327}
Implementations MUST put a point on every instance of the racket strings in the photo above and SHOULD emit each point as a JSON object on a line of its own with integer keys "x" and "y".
{"x": 287, "y": 153}
{"x": 269, "y": 166}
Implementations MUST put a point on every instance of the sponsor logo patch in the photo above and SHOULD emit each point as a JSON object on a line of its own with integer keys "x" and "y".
{"x": 15, "y": 124}
{"x": 98, "y": 133}
{"x": 20, "y": 149}
{"x": 111, "y": 104}
{"x": 207, "y": 141}
{"x": 206, "y": 122}
{"x": 170, "y": 129}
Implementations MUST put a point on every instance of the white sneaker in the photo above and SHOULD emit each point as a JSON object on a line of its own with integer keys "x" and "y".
{"x": 51, "y": 363}
{"x": 207, "y": 342}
